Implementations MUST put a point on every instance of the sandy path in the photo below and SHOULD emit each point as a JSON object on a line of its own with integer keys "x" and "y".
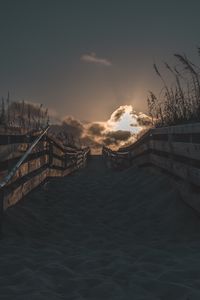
{"x": 100, "y": 234}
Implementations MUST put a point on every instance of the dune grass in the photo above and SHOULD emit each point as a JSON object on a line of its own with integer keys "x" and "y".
{"x": 179, "y": 102}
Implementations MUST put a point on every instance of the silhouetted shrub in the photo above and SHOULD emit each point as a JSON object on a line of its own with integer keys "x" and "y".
{"x": 180, "y": 102}
{"x": 24, "y": 115}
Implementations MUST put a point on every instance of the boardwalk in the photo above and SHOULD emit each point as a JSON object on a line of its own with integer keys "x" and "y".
{"x": 101, "y": 234}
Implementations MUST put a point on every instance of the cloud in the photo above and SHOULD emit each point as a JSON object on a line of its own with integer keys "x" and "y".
{"x": 119, "y": 135}
{"x": 116, "y": 137}
{"x": 94, "y": 59}
{"x": 96, "y": 129}
{"x": 73, "y": 126}
{"x": 119, "y": 113}
{"x": 144, "y": 120}
{"x": 119, "y": 131}
{"x": 69, "y": 129}
{"x": 124, "y": 118}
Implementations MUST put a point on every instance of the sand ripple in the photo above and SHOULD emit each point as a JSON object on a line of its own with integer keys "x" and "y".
{"x": 99, "y": 234}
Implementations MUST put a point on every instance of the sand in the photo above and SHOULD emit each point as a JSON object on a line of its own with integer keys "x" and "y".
{"x": 101, "y": 234}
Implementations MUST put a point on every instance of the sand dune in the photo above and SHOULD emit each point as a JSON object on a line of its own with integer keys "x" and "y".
{"x": 100, "y": 234}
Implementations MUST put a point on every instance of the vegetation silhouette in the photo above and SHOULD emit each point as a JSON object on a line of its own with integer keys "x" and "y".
{"x": 22, "y": 115}
{"x": 178, "y": 103}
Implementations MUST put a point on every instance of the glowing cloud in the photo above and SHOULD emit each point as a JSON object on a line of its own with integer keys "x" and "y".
{"x": 120, "y": 130}
{"x": 124, "y": 118}
{"x": 94, "y": 59}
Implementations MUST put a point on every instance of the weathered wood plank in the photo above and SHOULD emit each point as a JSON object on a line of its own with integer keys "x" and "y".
{"x": 188, "y": 150}
{"x": 48, "y": 159}
{"x": 175, "y": 149}
{"x": 24, "y": 189}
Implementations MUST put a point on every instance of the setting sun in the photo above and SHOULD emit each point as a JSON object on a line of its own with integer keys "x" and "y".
{"x": 124, "y": 118}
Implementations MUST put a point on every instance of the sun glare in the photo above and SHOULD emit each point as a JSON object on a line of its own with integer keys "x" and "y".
{"x": 124, "y": 119}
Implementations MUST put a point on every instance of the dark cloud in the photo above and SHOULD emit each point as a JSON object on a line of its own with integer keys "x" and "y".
{"x": 96, "y": 129}
{"x": 119, "y": 135}
{"x": 116, "y": 137}
{"x": 70, "y": 131}
{"x": 109, "y": 141}
{"x": 119, "y": 113}
{"x": 86, "y": 140}
{"x": 96, "y": 134}
{"x": 144, "y": 121}
{"x": 73, "y": 127}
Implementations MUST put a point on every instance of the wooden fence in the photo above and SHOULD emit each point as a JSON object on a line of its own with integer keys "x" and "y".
{"x": 175, "y": 149}
{"x": 29, "y": 161}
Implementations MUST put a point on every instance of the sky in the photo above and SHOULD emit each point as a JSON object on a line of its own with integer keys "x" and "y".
{"x": 87, "y": 58}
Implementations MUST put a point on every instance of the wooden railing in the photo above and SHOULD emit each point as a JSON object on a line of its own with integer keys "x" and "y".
{"x": 175, "y": 149}
{"x": 31, "y": 160}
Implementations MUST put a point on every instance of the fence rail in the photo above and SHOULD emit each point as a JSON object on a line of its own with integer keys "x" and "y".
{"x": 42, "y": 157}
{"x": 175, "y": 149}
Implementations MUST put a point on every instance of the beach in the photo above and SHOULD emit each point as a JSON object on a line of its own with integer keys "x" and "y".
{"x": 101, "y": 234}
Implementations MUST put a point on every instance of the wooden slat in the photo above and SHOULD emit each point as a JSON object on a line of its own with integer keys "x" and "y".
{"x": 24, "y": 188}
{"x": 175, "y": 149}
{"x": 186, "y": 172}
{"x": 188, "y": 150}
{"x": 179, "y": 129}
{"x": 6, "y": 164}
{"x": 16, "y": 139}
{"x": 37, "y": 166}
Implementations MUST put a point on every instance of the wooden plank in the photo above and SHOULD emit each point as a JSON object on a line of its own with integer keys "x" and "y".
{"x": 139, "y": 150}
{"x": 18, "y": 193}
{"x": 38, "y": 166}
{"x": 191, "y": 174}
{"x": 180, "y": 129}
{"x": 58, "y": 162}
{"x": 6, "y": 139}
{"x": 6, "y": 164}
{"x": 188, "y": 150}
